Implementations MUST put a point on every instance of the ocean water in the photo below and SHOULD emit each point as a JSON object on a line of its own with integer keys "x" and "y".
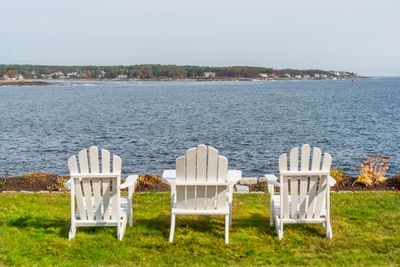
{"x": 149, "y": 124}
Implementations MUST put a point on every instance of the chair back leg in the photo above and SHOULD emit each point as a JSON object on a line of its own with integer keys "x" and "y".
{"x": 171, "y": 233}
{"x": 227, "y": 229}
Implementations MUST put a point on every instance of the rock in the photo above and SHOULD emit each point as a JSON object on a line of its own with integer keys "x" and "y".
{"x": 248, "y": 180}
{"x": 243, "y": 189}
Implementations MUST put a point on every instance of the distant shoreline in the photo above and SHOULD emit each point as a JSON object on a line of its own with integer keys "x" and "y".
{"x": 41, "y": 82}
{"x": 23, "y": 82}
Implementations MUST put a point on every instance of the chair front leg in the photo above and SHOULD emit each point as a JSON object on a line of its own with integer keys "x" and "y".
{"x": 226, "y": 229}
{"x": 171, "y": 232}
{"x": 131, "y": 189}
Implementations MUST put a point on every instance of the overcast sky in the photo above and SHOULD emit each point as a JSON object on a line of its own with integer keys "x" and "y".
{"x": 353, "y": 35}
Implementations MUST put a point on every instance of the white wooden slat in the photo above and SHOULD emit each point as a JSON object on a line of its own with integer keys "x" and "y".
{"x": 106, "y": 198}
{"x": 79, "y": 199}
{"x": 320, "y": 196}
{"x": 221, "y": 197}
{"x": 326, "y": 164}
{"x": 212, "y": 164}
{"x": 180, "y": 169}
{"x": 222, "y": 177}
{"x": 222, "y": 169}
{"x": 294, "y": 196}
{"x": 303, "y": 196}
{"x": 95, "y": 169}
{"x": 285, "y": 198}
{"x": 201, "y": 163}
{"x": 316, "y": 160}
{"x": 312, "y": 192}
{"x": 97, "y": 199}
{"x": 72, "y": 165}
{"x": 294, "y": 159}
{"x": 312, "y": 197}
{"x": 114, "y": 199}
{"x": 283, "y": 165}
{"x": 191, "y": 177}
{"x": 117, "y": 164}
{"x": 73, "y": 168}
{"x": 305, "y": 166}
{"x": 87, "y": 189}
{"x": 212, "y": 176}
{"x": 201, "y": 176}
{"x": 305, "y": 157}
{"x": 211, "y": 197}
{"x": 106, "y": 183}
{"x": 83, "y": 161}
{"x": 282, "y": 162}
{"x": 105, "y": 161}
{"x": 180, "y": 176}
{"x": 94, "y": 159}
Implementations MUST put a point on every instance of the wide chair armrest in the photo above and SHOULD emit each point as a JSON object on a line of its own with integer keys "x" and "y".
{"x": 234, "y": 176}
{"x": 272, "y": 180}
{"x": 169, "y": 174}
{"x": 331, "y": 181}
{"x": 129, "y": 181}
{"x": 68, "y": 184}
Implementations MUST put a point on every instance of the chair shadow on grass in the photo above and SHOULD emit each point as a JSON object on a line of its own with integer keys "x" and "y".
{"x": 41, "y": 222}
{"x": 213, "y": 225}
{"x": 262, "y": 224}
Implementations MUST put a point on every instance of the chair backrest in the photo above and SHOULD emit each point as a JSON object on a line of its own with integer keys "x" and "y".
{"x": 94, "y": 186}
{"x": 201, "y": 179}
{"x": 304, "y": 183}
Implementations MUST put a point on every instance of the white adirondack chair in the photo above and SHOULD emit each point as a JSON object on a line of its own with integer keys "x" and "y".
{"x": 96, "y": 192}
{"x": 202, "y": 185}
{"x": 304, "y": 190}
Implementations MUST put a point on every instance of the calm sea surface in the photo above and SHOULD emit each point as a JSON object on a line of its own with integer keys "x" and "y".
{"x": 149, "y": 124}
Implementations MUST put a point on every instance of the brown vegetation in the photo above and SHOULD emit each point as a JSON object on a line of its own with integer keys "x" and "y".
{"x": 40, "y": 181}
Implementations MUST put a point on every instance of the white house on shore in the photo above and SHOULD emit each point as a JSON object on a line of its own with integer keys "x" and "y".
{"x": 122, "y": 76}
{"x": 209, "y": 74}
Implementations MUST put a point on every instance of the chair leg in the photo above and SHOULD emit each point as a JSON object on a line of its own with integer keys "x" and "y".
{"x": 271, "y": 213}
{"x": 329, "y": 233}
{"x": 121, "y": 229}
{"x": 72, "y": 231}
{"x": 130, "y": 212}
{"x": 279, "y": 225}
{"x": 130, "y": 219}
{"x": 230, "y": 214}
{"x": 171, "y": 232}
{"x": 226, "y": 229}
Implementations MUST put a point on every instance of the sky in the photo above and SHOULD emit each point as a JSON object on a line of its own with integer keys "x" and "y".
{"x": 351, "y": 35}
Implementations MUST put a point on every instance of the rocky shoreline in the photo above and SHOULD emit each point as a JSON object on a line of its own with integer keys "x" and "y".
{"x": 48, "y": 182}
{"x": 22, "y": 82}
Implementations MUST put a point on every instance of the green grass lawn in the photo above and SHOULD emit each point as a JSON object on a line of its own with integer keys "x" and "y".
{"x": 366, "y": 231}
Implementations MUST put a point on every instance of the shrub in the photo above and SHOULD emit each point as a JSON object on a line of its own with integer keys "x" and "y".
{"x": 149, "y": 182}
{"x": 396, "y": 180}
{"x": 337, "y": 174}
{"x": 34, "y": 177}
{"x": 59, "y": 184}
{"x": 372, "y": 170}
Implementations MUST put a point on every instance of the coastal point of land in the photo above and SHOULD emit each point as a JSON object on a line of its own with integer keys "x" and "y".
{"x": 22, "y": 82}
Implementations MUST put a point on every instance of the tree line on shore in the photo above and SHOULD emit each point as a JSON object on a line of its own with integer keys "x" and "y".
{"x": 156, "y": 71}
